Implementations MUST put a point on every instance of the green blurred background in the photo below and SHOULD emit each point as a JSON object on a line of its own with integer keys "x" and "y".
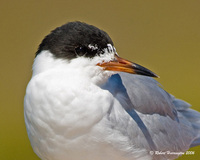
{"x": 161, "y": 35}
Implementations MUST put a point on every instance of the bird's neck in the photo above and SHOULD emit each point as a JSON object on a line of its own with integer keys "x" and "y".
{"x": 80, "y": 68}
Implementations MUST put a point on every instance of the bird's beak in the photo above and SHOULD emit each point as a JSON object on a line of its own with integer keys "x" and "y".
{"x": 122, "y": 65}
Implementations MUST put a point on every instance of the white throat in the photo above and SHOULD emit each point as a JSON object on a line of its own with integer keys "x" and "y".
{"x": 80, "y": 67}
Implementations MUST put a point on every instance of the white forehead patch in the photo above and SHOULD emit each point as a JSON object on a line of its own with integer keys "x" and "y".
{"x": 93, "y": 47}
{"x": 111, "y": 48}
{"x": 108, "y": 49}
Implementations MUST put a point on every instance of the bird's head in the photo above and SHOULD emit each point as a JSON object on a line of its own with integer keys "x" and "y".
{"x": 76, "y": 40}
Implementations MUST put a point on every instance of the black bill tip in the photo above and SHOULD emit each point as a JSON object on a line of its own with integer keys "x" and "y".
{"x": 143, "y": 71}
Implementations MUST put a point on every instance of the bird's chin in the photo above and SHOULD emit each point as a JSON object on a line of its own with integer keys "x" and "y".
{"x": 102, "y": 76}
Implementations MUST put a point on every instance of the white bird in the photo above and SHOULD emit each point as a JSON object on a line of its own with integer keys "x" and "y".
{"x": 84, "y": 102}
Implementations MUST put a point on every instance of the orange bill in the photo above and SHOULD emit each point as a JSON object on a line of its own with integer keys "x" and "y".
{"x": 122, "y": 65}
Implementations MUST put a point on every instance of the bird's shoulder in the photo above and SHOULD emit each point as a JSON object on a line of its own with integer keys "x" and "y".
{"x": 144, "y": 93}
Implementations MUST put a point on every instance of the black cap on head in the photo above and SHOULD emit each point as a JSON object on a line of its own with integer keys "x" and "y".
{"x": 73, "y": 39}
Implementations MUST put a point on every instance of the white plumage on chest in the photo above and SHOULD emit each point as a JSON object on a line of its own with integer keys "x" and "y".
{"x": 61, "y": 109}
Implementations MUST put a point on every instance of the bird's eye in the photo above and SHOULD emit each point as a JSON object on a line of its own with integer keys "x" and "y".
{"x": 81, "y": 51}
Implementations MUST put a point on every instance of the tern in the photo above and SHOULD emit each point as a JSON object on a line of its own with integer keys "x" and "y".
{"x": 85, "y": 102}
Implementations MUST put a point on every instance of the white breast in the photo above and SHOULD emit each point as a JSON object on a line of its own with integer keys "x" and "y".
{"x": 67, "y": 113}
{"x": 61, "y": 109}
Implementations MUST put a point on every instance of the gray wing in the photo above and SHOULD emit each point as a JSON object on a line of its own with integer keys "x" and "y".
{"x": 141, "y": 96}
{"x": 147, "y": 96}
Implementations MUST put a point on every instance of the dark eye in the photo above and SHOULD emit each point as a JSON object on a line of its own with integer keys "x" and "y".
{"x": 81, "y": 51}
